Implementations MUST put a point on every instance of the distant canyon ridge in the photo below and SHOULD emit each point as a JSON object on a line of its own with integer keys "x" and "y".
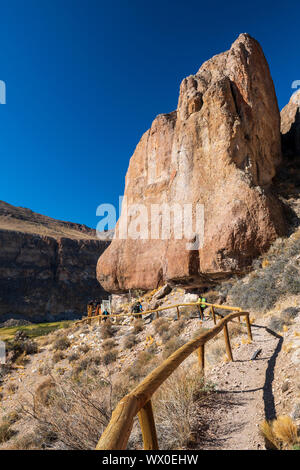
{"x": 47, "y": 267}
{"x": 220, "y": 148}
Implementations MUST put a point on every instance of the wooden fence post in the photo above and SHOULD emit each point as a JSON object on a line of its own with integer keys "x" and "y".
{"x": 201, "y": 359}
{"x": 227, "y": 343}
{"x": 248, "y": 327}
{"x": 200, "y": 312}
{"x": 147, "y": 423}
{"x": 213, "y": 314}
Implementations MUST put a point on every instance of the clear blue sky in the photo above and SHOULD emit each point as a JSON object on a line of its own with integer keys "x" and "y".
{"x": 85, "y": 79}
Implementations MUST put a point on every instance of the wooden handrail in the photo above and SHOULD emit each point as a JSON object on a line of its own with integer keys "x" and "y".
{"x": 138, "y": 401}
{"x": 160, "y": 309}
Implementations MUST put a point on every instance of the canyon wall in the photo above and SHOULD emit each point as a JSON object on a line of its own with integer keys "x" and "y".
{"x": 47, "y": 267}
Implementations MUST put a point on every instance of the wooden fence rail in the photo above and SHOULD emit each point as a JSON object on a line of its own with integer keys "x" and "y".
{"x": 138, "y": 401}
{"x": 161, "y": 309}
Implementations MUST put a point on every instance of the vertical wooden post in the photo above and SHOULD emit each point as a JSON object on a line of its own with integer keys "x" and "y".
{"x": 200, "y": 313}
{"x": 213, "y": 314}
{"x": 248, "y": 327}
{"x": 227, "y": 343}
{"x": 147, "y": 424}
{"x": 201, "y": 358}
{"x": 178, "y": 313}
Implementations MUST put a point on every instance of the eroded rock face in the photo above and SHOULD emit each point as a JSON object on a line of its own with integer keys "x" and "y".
{"x": 290, "y": 126}
{"x": 47, "y": 267}
{"x": 220, "y": 149}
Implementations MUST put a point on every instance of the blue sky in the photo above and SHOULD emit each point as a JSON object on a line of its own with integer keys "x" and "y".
{"x": 85, "y": 79}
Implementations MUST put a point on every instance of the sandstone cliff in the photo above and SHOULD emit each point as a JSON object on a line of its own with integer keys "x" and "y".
{"x": 220, "y": 148}
{"x": 47, "y": 267}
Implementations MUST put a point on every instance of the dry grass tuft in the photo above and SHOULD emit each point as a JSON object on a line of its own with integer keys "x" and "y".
{"x": 280, "y": 433}
{"x": 175, "y": 407}
{"x": 285, "y": 429}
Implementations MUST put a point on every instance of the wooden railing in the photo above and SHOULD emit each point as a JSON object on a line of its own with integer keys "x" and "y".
{"x": 138, "y": 401}
{"x": 213, "y": 313}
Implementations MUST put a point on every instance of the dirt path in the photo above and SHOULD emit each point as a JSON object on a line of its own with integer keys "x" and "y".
{"x": 244, "y": 395}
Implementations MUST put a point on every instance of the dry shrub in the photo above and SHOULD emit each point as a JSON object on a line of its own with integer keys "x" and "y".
{"x": 138, "y": 326}
{"x": 215, "y": 349}
{"x": 73, "y": 357}
{"x": 290, "y": 313}
{"x": 160, "y": 323}
{"x": 172, "y": 345}
{"x": 108, "y": 344}
{"x": 28, "y": 442}
{"x": 22, "y": 359}
{"x": 199, "y": 332}
{"x": 123, "y": 384}
{"x": 286, "y": 430}
{"x": 22, "y": 346}
{"x": 189, "y": 311}
{"x": 277, "y": 324}
{"x": 144, "y": 362}
{"x": 11, "y": 387}
{"x": 280, "y": 433}
{"x": 44, "y": 392}
{"x": 57, "y": 357}
{"x": 61, "y": 343}
{"x": 110, "y": 356}
{"x": 12, "y": 417}
{"x": 177, "y": 327}
{"x": 235, "y": 329}
{"x": 45, "y": 368}
{"x": 84, "y": 348}
{"x": 130, "y": 341}
{"x": 271, "y": 441}
{"x": 175, "y": 407}
{"x": 76, "y": 415}
{"x": 107, "y": 330}
{"x": 5, "y": 432}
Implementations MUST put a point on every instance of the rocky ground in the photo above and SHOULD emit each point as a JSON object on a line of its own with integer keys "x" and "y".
{"x": 246, "y": 391}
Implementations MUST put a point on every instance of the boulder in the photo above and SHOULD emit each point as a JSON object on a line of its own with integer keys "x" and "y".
{"x": 218, "y": 151}
{"x": 165, "y": 290}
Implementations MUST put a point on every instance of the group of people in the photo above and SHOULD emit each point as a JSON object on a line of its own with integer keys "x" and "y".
{"x": 94, "y": 309}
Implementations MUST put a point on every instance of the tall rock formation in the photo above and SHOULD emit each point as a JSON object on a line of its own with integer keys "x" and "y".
{"x": 47, "y": 267}
{"x": 220, "y": 148}
{"x": 290, "y": 126}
